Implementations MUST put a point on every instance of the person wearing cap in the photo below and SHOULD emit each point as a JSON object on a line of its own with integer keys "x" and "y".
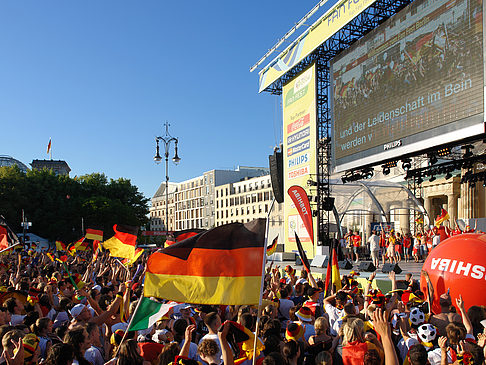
{"x": 306, "y": 320}
{"x": 290, "y": 271}
{"x": 31, "y": 348}
{"x": 82, "y": 315}
{"x": 186, "y": 313}
{"x": 313, "y": 302}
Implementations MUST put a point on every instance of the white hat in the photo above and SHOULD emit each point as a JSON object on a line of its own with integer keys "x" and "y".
{"x": 157, "y": 333}
{"x": 119, "y": 326}
{"x": 97, "y": 287}
{"x": 76, "y": 310}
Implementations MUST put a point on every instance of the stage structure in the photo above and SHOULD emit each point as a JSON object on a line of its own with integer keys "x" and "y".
{"x": 362, "y": 53}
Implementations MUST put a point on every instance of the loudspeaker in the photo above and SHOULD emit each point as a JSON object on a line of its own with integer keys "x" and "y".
{"x": 319, "y": 261}
{"x": 276, "y": 175}
{"x": 298, "y": 261}
{"x": 366, "y": 266}
{"x": 345, "y": 264}
{"x": 328, "y": 204}
{"x": 391, "y": 267}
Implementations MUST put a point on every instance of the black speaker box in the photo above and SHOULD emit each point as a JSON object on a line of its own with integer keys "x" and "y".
{"x": 345, "y": 265}
{"x": 276, "y": 175}
{"x": 298, "y": 261}
{"x": 366, "y": 266}
{"x": 328, "y": 204}
{"x": 391, "y": 267}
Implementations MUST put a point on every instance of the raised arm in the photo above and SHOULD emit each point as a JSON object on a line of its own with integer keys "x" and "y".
{"x": 187, "y": 341}
{"x": 465, "y": 318}
{"x": 382, "y": 327}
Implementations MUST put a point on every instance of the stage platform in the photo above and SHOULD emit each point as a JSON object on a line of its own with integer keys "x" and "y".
{"x": 382, "y": 280}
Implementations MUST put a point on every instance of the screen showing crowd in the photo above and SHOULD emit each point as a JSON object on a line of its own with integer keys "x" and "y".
{"x": 421, "y": 69}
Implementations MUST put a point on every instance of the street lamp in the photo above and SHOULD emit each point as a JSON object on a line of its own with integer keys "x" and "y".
{"x": 167, "y": 139}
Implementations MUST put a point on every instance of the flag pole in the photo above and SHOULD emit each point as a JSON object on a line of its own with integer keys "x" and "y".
{"x": 8, "y": 248}
{"x": 128, "y": 327}
{"x": 121, "y": 263}
{"x": 260, "y": 299}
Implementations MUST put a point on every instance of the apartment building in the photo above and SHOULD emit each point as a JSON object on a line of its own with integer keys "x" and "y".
{"x": 193, "y": 200}
{"x": 157, "y": 210}
{"x": 246, "y": 200}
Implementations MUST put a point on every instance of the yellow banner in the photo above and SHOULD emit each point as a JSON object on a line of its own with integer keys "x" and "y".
{"x": 300, "y": 153}
{"x": 332, "y": 21}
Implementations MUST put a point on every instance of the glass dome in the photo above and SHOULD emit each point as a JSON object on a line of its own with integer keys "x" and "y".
{"x": 10, "y": 161}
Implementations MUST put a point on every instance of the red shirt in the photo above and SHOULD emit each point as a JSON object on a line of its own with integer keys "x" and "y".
{"x": 356, "y": 240}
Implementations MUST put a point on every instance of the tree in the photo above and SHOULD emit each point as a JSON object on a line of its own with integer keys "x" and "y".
{"x": 56, "y": 205}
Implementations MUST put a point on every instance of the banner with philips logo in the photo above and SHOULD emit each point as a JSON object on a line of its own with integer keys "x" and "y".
{"x": 300, "y": 156}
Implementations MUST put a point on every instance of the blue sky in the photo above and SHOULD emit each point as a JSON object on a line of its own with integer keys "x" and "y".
{"x": 102, "y": 77}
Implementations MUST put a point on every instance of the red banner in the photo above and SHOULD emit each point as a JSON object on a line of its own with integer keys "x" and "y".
{"x": 155, "y": 233}
{"x": 301, "y": 202}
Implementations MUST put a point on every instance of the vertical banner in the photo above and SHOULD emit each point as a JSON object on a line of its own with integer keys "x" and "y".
{"x": 301, "y": 202}
{"x": 300, "y": 153}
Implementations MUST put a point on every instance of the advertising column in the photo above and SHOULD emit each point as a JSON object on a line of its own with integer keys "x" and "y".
{"x": 300, "y": 153}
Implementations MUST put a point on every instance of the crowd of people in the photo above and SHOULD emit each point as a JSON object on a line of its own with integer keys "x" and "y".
{"x": 77, "y": 311}
{"x": 390, "y": 246}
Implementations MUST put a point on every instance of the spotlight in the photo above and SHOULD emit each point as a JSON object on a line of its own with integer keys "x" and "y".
{"x": 432, "y": 159}
{"x": 432, "y": 178}
{"x": 444, "y": 152}
{"x": 468, "y": 153}
{"x": 406, "y": 164}
{"x": 386, "y": 170}
{"x": 420, "y": 180}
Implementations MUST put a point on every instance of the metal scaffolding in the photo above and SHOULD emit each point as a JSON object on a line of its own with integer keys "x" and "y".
{"x": 365, "y": 22}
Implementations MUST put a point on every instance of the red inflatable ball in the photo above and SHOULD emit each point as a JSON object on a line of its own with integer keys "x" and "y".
{"x": 458, "y": 264}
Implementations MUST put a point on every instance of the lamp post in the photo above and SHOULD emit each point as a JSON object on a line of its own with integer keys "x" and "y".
{"x": 167, "y": 139}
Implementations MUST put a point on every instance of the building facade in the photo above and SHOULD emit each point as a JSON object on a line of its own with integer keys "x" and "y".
{"x": 194, "y": 200}
{"x": 59, "y": 167}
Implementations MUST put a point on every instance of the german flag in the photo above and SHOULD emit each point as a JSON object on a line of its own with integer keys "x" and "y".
{"x": 122, "y": 244}
{"x": 273, "y": 247}
{"x": 81, "y": 244}
{"x": 60, "y": 246}
{"x": 94, "y": 234}
{"x": 303, "y": 256}
{"x": 444, "y": 216}
{"x": 220, "y": 266}
{"x": 7, "y": 236}
{"x": 332, "y": 274}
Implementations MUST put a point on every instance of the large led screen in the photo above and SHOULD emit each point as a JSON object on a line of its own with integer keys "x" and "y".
{"x": 412, "y": 83}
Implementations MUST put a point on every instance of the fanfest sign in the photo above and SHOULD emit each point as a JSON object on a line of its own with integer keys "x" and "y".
{"x": 458, "y": 264}
{"x": 334, "y": 19}
{"x": 300, "y": 157}
{"x": 155, "y": 233}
